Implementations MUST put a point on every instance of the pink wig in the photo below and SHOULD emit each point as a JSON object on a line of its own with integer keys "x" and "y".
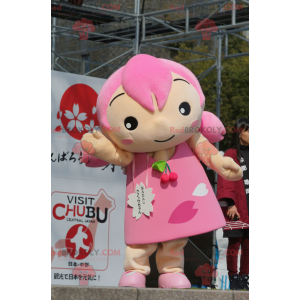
{"x": 141, "y": 76}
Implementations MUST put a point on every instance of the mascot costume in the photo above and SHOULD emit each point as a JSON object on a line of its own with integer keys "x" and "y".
{"x": 153, "y": 125}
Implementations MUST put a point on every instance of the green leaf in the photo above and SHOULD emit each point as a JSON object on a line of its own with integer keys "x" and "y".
{"x": 159, "y": 165}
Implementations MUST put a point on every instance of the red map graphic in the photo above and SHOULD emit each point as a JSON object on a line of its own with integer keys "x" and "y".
{"x": 79, "y": 241}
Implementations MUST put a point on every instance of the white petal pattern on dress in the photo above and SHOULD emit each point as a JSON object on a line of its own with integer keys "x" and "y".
{"x": 200, "y": 190}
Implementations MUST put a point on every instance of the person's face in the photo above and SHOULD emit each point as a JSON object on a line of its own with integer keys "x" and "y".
{"x": 136, "y": 129}
{"x": 244, "y": 137}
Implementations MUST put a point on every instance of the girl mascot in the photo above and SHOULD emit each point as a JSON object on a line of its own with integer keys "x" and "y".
{"x": 151, "y": 117}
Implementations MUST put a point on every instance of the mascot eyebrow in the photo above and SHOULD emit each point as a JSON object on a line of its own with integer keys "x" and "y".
{"x": 181, "y": 79}
{"x": 115, "y": 98}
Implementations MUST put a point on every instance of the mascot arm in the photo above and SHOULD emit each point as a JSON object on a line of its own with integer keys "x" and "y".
{"x": 209, "y": 155}
{"x": 91, "y": 161}
{"x": 98, "y": 146}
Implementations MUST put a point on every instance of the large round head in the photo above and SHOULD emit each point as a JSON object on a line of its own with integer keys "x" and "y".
{"x": 150, "y": 104}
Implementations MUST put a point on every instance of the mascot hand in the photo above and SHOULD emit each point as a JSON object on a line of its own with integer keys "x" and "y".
{"x": 94, "y": 143}
{"x": 97, "y": 145}
{"x": 229, "y": 170}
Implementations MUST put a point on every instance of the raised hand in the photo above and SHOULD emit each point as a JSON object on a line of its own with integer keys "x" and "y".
{"x": 91, "y": 141}
{"x": 97, "y": 145}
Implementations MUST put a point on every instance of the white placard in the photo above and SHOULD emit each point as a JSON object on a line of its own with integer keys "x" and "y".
{"x": 87, "y": 204}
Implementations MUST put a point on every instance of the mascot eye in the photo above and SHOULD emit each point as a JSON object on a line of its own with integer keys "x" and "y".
{"x": 131, "y": 123}
{"x": 185, "y": 108}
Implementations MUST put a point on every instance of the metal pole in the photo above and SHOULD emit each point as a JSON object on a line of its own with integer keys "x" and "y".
{"x": 187, "y": 20}
{"x": 125, "y": 53}
{"x": 117, "y": 66}
{"x": 236, "y": 55}
{"x": 53, "y": 45}
{"x": 192, "y": 32}
{"x": 189, "y": 6}
{"x": 219, "y": 82}
{"x": 143, "y": 28}
{"x": 206, "y": 72}
{"x": 226, "y": 44}
{"x": 94, "y": 9}
{"x": 199, "y": 250}
{"x": 218, "y": 109}
{"x": 137, "y": 27}
{"x": 164, "y": 24}
{"x": 179, "y": 49}
{"x": 233, "y": 12}
{"x": 59, "y": 57}
{"x": 194, "y": 60}
{"x": 240, "y": 37}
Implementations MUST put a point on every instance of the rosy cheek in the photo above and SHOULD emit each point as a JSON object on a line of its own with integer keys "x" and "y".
{"x": 127, "y": 142}
{"x": 195, "y": 123}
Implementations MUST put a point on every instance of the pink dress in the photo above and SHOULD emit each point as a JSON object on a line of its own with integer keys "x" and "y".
{"x": 182, "y": 208}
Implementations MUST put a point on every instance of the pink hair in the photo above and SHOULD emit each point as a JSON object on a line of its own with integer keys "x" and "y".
{"x": 141, "y": 76}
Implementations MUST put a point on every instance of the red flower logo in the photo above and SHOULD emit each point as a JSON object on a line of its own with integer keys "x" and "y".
{"x": 78, "y": 110}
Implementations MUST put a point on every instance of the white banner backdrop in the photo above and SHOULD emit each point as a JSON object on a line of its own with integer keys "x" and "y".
{"x": 87, "y": 204}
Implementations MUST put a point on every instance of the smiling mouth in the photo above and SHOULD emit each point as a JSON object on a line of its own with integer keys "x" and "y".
{"x": 164, "y": 140}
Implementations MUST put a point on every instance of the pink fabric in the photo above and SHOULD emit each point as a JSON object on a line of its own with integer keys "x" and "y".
{"x": 84, "y": 158}
{"x": 211, "y": 127}
{"x": 93, "y": 162}
{"x": 142, "y": 75}
{"x": 201, "y": 213}
{"x": 133, "y": 279}
{"x": 108, "y": 89}
{"x": 173, "y": 281}
{"x": 187, "y": 74}
{"x": 150, "y": 75}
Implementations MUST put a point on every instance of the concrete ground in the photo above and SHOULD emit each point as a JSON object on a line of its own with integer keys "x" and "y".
{"x": 117, "y": 293}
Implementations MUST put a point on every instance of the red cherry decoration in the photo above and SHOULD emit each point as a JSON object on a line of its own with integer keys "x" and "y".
{"x": 164, "y": 178}
{"x": 173, "y": 176}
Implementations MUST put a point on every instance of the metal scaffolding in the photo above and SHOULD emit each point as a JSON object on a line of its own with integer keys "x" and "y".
{"x": 148, "y": 30}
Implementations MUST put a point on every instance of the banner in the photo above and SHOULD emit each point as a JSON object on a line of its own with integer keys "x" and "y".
{"x": 87, "y": 204}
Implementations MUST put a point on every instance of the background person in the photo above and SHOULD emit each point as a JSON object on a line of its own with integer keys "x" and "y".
{"x": 233, "y": 196}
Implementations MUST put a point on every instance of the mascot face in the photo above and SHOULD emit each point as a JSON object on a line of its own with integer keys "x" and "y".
{"x": 150, "y": 104}
{"x": 136, "y": 129}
